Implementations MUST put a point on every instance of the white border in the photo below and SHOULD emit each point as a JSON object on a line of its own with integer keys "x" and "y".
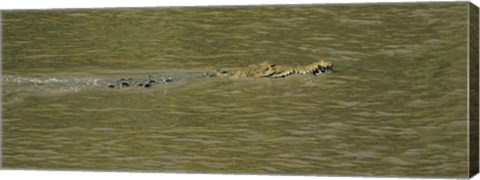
{"x": 62, "y": 175}
{"x": 62, "y": 4}
{"x": 75, "y": 4}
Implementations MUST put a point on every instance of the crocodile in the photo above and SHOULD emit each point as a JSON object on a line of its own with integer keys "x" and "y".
{"x": 261, "y": 70}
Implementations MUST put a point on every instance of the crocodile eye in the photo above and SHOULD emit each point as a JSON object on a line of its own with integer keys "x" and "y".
{"x": 168, "y": 80}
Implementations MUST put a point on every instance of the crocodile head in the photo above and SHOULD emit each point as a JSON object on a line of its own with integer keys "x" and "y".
{"x": 272, "y": 70}
{"x": 315, "y": 68}
{"x": 267, "y": 69}
{"x": 318, "y": 67}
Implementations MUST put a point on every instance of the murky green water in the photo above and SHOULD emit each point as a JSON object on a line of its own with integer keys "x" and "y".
{"x": 396, "y": 105}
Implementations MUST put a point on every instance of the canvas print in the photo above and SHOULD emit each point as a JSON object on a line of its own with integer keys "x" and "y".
{"x": 378, "y": 89}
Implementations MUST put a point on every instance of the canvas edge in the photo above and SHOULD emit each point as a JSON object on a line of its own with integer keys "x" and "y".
{"x": 1, "y": 90}
{"x": 227, "y": 5}
{"x": 473, "y": 78}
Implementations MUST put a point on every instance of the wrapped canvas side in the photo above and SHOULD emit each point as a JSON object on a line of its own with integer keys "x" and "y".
{"x": 473, "y": 90}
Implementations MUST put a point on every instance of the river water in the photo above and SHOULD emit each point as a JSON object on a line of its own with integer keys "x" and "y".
{"x": 396, "y": 104}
